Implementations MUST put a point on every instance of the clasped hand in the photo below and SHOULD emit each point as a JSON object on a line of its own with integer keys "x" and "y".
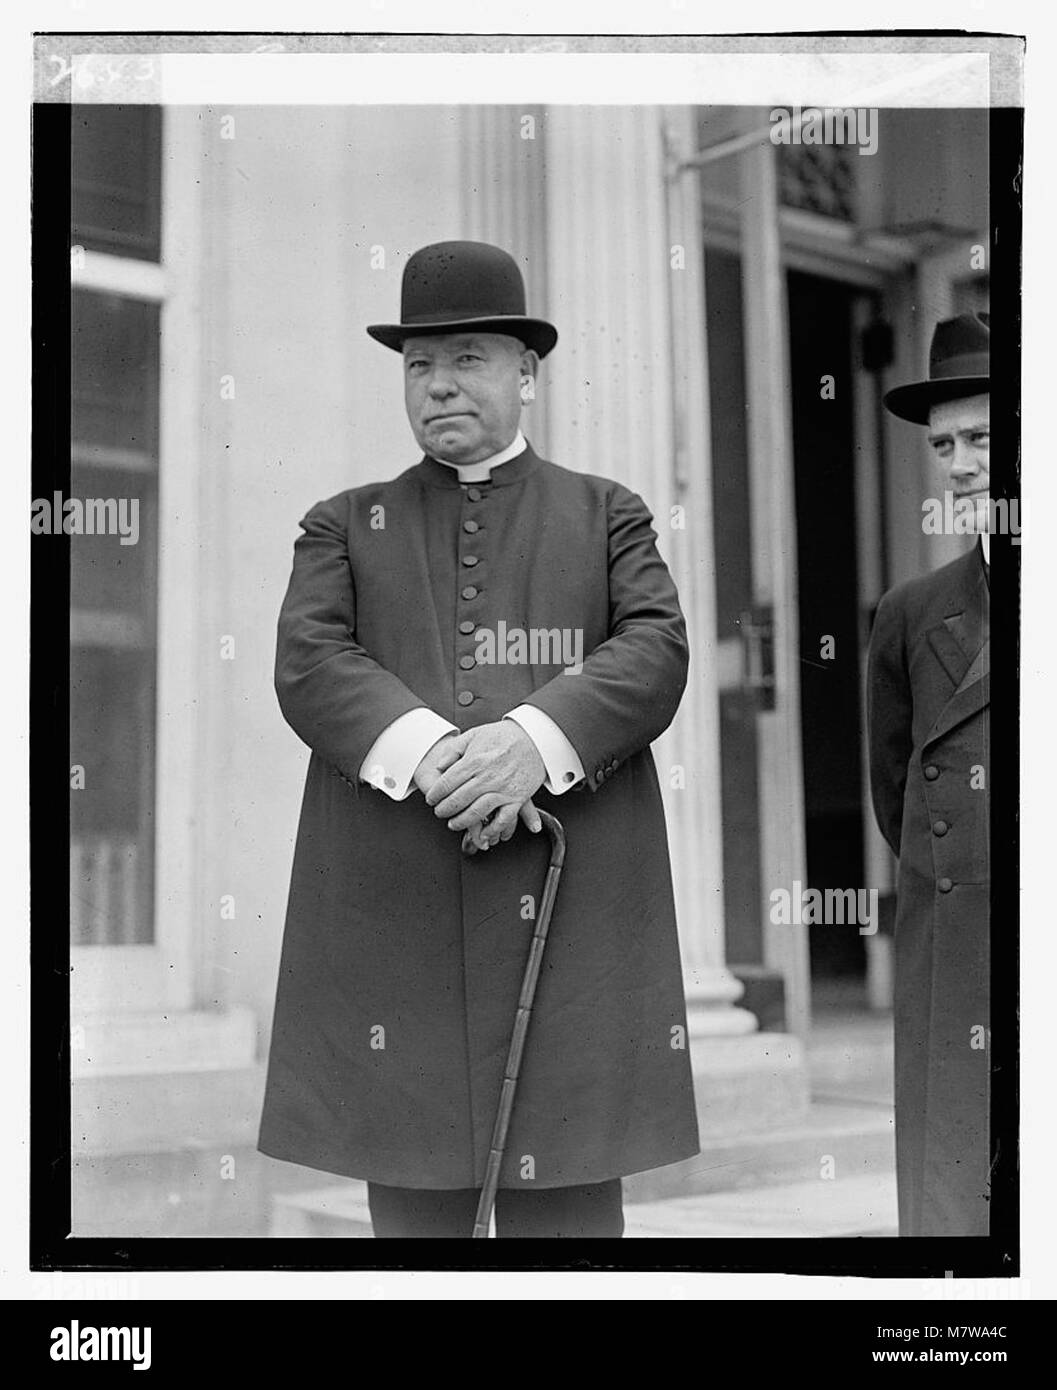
{"x": 481, "y": 782}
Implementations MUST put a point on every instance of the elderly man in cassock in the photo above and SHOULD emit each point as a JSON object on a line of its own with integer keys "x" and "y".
{"x": 434, "y": 739}
{"x": 929, "y": 740}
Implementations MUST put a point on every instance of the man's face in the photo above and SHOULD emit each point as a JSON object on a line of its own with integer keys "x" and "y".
{"x": 959, "y": 432}
{"x": 463, "y": 392}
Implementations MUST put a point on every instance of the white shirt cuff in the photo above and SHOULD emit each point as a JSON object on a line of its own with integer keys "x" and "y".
{"x": 396, "y": 752}
{"x": 560, "y": 758}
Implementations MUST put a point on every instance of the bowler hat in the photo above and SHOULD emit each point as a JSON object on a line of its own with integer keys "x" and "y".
{"x": 455, "y": 286}
{"x": 959, "y": 365}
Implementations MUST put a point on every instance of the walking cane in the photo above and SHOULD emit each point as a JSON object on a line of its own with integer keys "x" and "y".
{"x": 553, "y": 827}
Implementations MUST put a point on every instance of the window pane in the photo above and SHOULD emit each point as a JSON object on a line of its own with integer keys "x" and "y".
{"x": 114, "y": 428}
{"x": 106, "y": 574}
{"x": 819, "y": 178}
{"x": 116, "y": 167}
{"x": 111, "y": 817}
{"x": 114, "y": 344}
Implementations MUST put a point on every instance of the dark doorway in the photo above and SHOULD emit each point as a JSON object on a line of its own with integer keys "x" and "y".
{"x": 822, "y": 370}
{"x": 732, "y": 541}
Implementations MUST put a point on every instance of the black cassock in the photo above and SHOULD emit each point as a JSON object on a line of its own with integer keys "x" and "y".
{"x": 929, "y": 704}
{"x": 402, "y": 958}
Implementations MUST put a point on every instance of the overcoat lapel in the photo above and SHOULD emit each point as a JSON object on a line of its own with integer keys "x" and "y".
{"x": 948, "y": 651}
{"x": 962, "y": 645}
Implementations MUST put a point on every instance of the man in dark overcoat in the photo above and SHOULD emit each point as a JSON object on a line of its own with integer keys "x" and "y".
{"x": 483, "y": 636}
{"x": 928, "y": 696}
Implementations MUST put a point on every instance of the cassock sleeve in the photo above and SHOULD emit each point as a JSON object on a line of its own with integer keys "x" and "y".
{"x": 889, "y": 717}
{"x": 630, "y": 686}
{"x": 332, "y": 693}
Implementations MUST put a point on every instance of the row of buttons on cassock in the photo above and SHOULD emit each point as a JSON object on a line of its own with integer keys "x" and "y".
{"x": 467, "y": 660}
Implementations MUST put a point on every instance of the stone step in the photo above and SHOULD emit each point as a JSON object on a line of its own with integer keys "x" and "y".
{"x": 859, "y": 1206}
{"x": 835, "y": 1141}
{"x": 323, "y": 1211}
{"x": 197, "y": 1190}
{"x": 852, "y": 1059}
{"x": 166, "y": 1112}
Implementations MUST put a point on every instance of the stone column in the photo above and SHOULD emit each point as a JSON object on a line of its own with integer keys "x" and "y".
{"x": 504, "y": 191}
{"x": 783, "y": 854}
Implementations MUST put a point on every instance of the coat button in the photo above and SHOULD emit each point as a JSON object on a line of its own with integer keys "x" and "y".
{"x": 467, "y": 624}
{"x": 931, "y": 772}
{"x": 944, "y": 885}
{"x": 474, "y": 494}
{"x": 467, "y": 662}
{"x": 469, "y": 592}
{"x": 465, "y": 697}
{"x": 470, "y": 527}
{"x": 469, "y": 561}
{"x": 940, "y": 827}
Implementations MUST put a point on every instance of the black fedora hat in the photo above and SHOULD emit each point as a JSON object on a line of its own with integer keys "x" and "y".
{"x": 959, "y": 365}
{"x": 453, "y": 286}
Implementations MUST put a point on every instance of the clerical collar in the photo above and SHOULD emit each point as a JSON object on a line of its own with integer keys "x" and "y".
{"x": 985, "y": 542}
{"x": 481, "y": 471}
